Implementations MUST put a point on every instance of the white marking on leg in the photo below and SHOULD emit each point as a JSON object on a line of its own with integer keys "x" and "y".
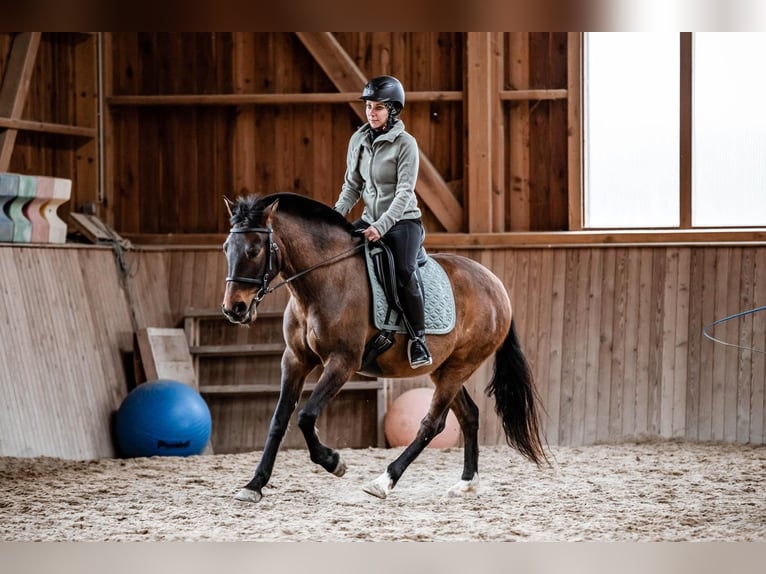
{"x": 465, "y": 487}
{"x": 247, "y": 495}
{"x": 381, "y": 486}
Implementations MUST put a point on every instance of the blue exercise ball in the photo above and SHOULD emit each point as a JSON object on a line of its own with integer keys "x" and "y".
{"x": 162, "y": 418}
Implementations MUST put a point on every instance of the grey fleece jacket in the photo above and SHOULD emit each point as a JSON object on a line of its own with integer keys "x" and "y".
{"x": 383, "y": 174}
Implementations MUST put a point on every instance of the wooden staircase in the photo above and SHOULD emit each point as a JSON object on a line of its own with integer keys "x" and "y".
{"x": 236, "y": 364}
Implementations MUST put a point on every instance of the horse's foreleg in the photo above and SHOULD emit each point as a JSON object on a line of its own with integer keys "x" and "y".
{"x": 293, "y": 378}
{"x": 333, "y": 377}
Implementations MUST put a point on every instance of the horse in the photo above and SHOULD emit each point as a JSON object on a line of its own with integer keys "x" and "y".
{"x": 328, "y": 321}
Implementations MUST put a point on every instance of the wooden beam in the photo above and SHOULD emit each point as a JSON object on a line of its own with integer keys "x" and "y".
{"x": 478, "y": 114}
{"x": 49, "y": 128}
{"x": 257, "y": 389}
{"x": 347, "y": 76}
{"x": 605, "y": 238}
{"x": 574, "y": 129}
{"x": 243, "y": 99}
{"x": 13, "y": 92}
{"x": 436, "y": 242}
{"x": 526, "y": 95}
{"x": 342, "y": 97}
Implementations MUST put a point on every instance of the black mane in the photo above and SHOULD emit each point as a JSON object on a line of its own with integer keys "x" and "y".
{"x": 248, "y": 211}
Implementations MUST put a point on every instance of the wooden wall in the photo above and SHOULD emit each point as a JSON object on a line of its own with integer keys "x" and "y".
{"x": 194, "y": 116}
{"x": 614, "y": 336}
{"x": 65, "y": 330}
{"x": 613, "y": 331}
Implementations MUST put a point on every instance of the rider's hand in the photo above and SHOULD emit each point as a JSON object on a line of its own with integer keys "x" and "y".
{"x": 371, "y": 234}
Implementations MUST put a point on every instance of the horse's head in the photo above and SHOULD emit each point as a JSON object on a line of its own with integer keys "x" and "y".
{"x": 252, "y": 258}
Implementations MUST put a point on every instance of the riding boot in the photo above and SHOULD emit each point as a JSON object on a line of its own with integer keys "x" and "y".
{"x": 411, "y": 297}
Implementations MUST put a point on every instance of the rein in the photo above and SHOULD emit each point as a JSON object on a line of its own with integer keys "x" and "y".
{"x": 273, "y": 248}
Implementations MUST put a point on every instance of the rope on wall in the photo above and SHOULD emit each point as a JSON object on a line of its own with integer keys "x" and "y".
{"x": 706, "y": 330}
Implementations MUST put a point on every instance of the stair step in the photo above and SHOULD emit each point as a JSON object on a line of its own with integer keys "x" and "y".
{"x": 217, "y": 314}
{"x": 251, "y": 350}
{"x": 263, "y": 389}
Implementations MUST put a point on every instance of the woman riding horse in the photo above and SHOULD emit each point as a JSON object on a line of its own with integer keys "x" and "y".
{"x": 381, "y": 169}
{"x": 328, "y": 321}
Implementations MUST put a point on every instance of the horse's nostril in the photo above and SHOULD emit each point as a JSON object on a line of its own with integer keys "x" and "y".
{"x": 239, "y": 309}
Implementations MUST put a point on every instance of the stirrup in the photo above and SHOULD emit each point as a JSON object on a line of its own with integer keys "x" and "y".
{"x": 422, "y": 361}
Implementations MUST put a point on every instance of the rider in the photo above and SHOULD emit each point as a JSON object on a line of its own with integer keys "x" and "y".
{"x": 381, "y": 169}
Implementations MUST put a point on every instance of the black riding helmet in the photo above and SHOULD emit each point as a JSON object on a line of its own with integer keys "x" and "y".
{"x": 385, "y": 89}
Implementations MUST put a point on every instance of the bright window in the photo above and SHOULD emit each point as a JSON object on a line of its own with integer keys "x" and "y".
{"x": 729, "y": 133}
{"x": 633, "y": 116}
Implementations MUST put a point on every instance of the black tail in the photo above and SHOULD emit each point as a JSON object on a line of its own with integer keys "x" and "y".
{"x": 516, "y": 398}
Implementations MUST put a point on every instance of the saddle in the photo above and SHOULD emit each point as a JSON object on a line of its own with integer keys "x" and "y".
{"x": 387, "y": 312}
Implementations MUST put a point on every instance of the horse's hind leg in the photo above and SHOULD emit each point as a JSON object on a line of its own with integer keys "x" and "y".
{"x": 431, "y": 425}
{"x": 467, "y": 414}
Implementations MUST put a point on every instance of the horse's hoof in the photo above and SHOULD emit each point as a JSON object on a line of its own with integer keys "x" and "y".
{"x": 380, "y": 487}
{"x": 247, "y": 495}
{"x": 340, "y": 468}
{"x": 465, "y": 487}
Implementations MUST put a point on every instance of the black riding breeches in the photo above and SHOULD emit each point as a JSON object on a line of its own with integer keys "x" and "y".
{"x": 404, "y": 239}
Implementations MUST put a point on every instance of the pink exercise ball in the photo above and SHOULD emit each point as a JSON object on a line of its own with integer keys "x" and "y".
{"x": 403, "y": 420}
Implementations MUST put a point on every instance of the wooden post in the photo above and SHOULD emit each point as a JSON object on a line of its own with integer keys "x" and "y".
{"x": 498, "y": 159}
{"x": 86, "y": 113}
{"x": 106, "y": 184}
{"x": 685, "y": 204}
{"x": 244, "y": 128}
{"x": 574, "y": 121}
{"x": 519, "y": 203}
{"x": 479, "y": 106}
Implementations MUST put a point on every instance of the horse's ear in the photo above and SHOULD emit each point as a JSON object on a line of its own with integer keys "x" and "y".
{"x": 270, "y": 211}
{"x": 229, "y": 204}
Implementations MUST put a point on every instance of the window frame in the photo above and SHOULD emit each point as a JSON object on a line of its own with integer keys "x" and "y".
{"x": 576, "y": 109}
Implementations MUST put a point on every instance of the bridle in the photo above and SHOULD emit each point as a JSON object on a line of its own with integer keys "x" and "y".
{"x": 265, "y": 279}
{"x": 268, "y": 274}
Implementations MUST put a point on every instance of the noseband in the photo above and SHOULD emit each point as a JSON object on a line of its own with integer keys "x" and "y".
{"x": 272, "y": 249}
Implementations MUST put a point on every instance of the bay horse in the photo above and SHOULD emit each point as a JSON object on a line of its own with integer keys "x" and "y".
{"x": 328, "y": 320}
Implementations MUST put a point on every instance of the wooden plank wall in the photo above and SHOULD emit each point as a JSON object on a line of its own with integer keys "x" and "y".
{"x": 172, "y": 163}
{"x": 613, "y": 334}
{"x": 64, "y": 329}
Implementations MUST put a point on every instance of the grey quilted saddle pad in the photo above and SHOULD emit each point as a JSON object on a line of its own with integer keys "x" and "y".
{"x": 439, "y": 300}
